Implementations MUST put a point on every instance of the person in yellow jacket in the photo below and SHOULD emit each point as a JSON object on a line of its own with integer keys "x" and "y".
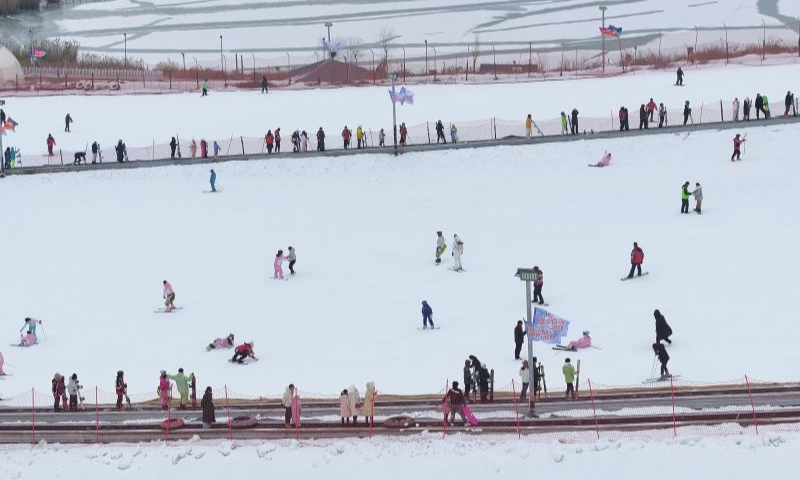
{"x": 528, "y": 126}
{"x": 360, "y": 137}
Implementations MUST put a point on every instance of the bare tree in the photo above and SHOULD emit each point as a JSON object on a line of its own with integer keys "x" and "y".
{"x": 385, "y": 38}
{"x": 353, "y": 47}
{"x": 476, "y": 52}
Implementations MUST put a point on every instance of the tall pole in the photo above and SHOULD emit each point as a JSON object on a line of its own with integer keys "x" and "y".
{"x": 328, "y": 25}
{"x": 221, "y": 63}
{"x": 531, "y": 366}
{"x": 603, "y": 37}
{"x": 393, "y": 76}
{"x": 125, "y": 36}
{"x": 426, "y": 59}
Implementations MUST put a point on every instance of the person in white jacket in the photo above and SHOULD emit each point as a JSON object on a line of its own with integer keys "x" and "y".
{"x": 74, "y": 390}
{"x": 458, "y": 250}
{"x": 736, "y": 109}
{"x": 288, "y": 398}
{"x": 355, "y": 402}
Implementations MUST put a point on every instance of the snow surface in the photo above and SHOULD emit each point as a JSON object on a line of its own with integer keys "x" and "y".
{"x": 424, "y": 456}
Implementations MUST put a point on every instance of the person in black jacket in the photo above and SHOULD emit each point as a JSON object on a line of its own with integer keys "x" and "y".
{"x": 467, "y": 379}
{"x": 207, "y": 404}
{"x": 687, "y": 113}
{"x": 264, "y": 85}
{"x": 519, "y": 339}
{"x": 663, "y": 357}
{"x": 663, "y": 330}
{"x": 760, "y": 106}
{"x": 173, "y": 144}
{"x": 679, "y": 81}
{"x": 643, "y": 123}
{"x": 483, "y": 383}
{"x": 574, "y": 121}
{"x": 120, "y": 149}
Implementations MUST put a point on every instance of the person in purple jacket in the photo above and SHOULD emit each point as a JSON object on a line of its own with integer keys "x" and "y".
{"x": 427, "y": 315}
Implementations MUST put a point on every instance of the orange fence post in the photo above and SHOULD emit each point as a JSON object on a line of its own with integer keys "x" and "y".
{"x": 516, "y": 407}
{"x": 594, "y": 410}
{"x": 96, "y": 417}
{"x": 372, "y": 413}
{"x": 674, "y": 426}
{"x": 228, "y": 412}
{"x": 752, "y": 404}
{"x": 33, "y": 416}
{"x": 297, "y": 420}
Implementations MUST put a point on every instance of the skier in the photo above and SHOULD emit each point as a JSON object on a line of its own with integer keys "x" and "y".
{"x": 173, "y": 144}
{"x": 519, "y": 339}
{"x": 687, "y": 112}
{"x": 67, "y": 121}
{"x": 204, "y": 87}
{"x": 760, "y": 106}
{"x": 663, "y": 121}
{"x": 381, "y": 138}
{"x": 164, "y": 388}
{"x": 440, "y": 247}
{"x": 735, "y": 109}
{"x": 303, "y": 141}
{"x": 569, "y": 377}
{"x": 221, "y": 342}
{"x": 680, "y": 77}
{"x": 663, "y": 357}
{"x": 685, "y": 198}
{"x": 264, "y": 85}
{"x": 120, "y": 387}
{"x": 217, "y": 148}
{"x": 651, "y": 109}
{"x": 51, "y": 142}
{"x": 737, "y": 143}
{"x": 642, "y": 117}
{"x": 213, "y": 180}
{"x": 538, "y": 283}
{"x": 563, "y": 123}
{"x": 637, "y": 258}
{"x": 278, "y": 140}
{"x": 746, "y": 109}
{"x": 74, "y": 388}
{"x": 440, "y": 132}
{"x": 193, "y": 148}
{"x": 320, "y": 140}
{"x": 292, "y": 257}
{"x": 278, "y": 265}
{"x": 207, "y": 404}
{"x": 458, "y": 250}
{"x": 182, "y": 382}
{"x": 286, "y": 401}
{"x": 346, "y": 137}
{"x": 454, "y": 403}
{"x": 169, "y": 296}
{"x": 584, "y": 342}
{"x": 244, "y": 351}
{"x": 360, "y": 138}
{"x": 528, "y": 126}
{"x": 698, "y": 197}
{"x": 663, "y": 330}
{"x": 58, "y": 390}
{"x": 30, "y": 325}
{"x": 427, "y": 315}
{"x": 574, "y": 121}
{"x": 453, "y": 133}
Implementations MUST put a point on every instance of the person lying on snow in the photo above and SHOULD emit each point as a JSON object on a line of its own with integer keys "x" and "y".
{"x": 583, "y": 342}
{"x": 605, "y": 162}
{"x": 222, "y": 342}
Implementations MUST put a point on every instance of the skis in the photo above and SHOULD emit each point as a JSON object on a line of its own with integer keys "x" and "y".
{"x": 636, "y": 276}
{"x": 164, "y": 310}
{"x": 541, "y": 304}
{"x": 459, "y": 270}
{"x": 432, "y": 328}
{"x": 660, "y": 379}
{"x": 562, "y": 348}
{"x": 245, "y": 362}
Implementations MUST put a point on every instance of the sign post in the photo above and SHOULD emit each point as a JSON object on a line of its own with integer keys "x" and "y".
{"x": 526, "y": 275}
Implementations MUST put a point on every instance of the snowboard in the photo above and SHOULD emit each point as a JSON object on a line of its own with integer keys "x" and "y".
{"x": 635, "y": 276}
{"x": 456, "y": 270}
{"x": 22, "y": 346}
{"x": 660, "y": 379}
{"x": 469, "y": 415}
{"x": 432, "y": 328}
{"x": 164, "y": 310}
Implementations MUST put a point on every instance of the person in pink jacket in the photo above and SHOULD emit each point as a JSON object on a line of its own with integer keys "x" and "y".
{"x": 163, "y": 390}
{"x": 584, "y": 342}
{"x": 278, "y": 264}
{"x": 169, "y": 297}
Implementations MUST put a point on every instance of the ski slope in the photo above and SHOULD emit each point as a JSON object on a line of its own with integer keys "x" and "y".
{"x": 87, "y": 253}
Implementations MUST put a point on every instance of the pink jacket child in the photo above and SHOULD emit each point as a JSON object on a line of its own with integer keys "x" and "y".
{"x": 27, "y": 340}
{"x": 163, "y": 390}
{"x": 584, "y": 342}
{"x": 222, "y": 342}
{"x": 278, "y": 264}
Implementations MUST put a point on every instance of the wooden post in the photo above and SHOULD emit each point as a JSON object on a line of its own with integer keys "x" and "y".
{"x": 752, "y": 404}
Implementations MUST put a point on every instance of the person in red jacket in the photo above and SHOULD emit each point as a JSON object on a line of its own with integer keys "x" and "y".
{"x": 637, "y": 258}
{"x": 651, "y": 109}
{"x": 51, "y": 142}
{"x": 244, "y": 351}
{"x": 269, "y": 139}
{"x": 346, "y": 137}
{"x": 58, "y": 391}
{"x": 737, "y": 143}
{"x": 454, "y": 402}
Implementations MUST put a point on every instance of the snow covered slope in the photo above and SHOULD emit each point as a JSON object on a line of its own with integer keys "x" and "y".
{"x": 87, "y": 252}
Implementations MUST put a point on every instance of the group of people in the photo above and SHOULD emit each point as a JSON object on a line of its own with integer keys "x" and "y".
{"x": 458, "y": 251}
{"x": 66, "y": 394}
{"x": 351, "y": 404}
{"x": 697, "y": 193}
{"x": 278, "y": 263}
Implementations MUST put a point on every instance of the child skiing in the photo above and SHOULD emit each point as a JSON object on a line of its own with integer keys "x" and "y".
{"x": 222, "y": 342}
{"x": 440, "y": 247}
{"x": 737, "y": 144}
{"x": 427, "y": 315}
{"x": 278, "y": 265}
{"x": 663, "y": 357}
{"x": 169, "y": 296}
{"x": 637, "y": 258}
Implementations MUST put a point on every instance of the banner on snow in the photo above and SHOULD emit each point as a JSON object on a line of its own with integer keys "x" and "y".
{"x": 547, "y": 327}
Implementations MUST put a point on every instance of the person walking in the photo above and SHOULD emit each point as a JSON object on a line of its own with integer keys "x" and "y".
{"x": 51, "y": 142}
{"x": 569, "y": 377}
{"x": 286, "y": 401}
{"x": 213, "y": 180}
{"x": 458, "y": 250}
{"x": 685, "y": 194}
{"x": 292, "y": 257}
{"x": 519, "y": 338}
{"x": 525, "y": 378}
{"x": 440, "y": 132}
{"x": 651, "y": 110}
{"x": 264, "y": 84}
{"x": 67, "y": 121}
{"x": 204, "y": 88}
{"x": 663, "y": 330}
{"x": 538, "y": 283}
{"x": 697, "y": 193}
{"x": 679, "y": 81}
{"x": 637, "y": 258}
{"x": 440, "y": 247}
{"x": 207, "y": 404}
{"x": 663, "y": 357}
{"x": 427, "y": 315}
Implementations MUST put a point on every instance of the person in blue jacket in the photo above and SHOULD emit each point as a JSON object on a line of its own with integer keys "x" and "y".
{"x": 213, "y": 180}
{"x": 427, "y": 315}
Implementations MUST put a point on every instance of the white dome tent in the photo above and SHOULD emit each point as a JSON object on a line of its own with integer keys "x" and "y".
{"x": 10, "y": 69}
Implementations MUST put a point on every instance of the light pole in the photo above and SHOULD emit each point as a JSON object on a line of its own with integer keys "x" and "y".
{"x": 183, "y": 56}
{"x": 373, "y": 65}
{"x": 328, "y": 25}
{"x": 426, "y": 58}
{"x": 125, "y": 41}
{"x": 434, "y": 63}
{"x": 221, "y": 64}
{"x": 603, "y": 36}
{"x": 393, "y": 77}
{"x": 527, "y": 276}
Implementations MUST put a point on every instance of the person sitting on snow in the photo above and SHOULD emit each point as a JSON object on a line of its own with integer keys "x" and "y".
{"x": 222, "y": 342}
{"x": 606, "y": 161}
{"x": 583, "y": 342}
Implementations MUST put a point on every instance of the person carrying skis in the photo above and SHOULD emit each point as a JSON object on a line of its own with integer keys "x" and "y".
{"x": 519, "y": 338}
{"x": 663, "y": 330}
{"x": 427, "y": 315}
{"x": 458, "y": 250}
{"x": 244, "y": 351}
{"x": 697, "y": 193}
{"x": 538, "y": 283}
{"x": 169, "y": 297}
{"x": 292, "y": 257}
{"x": 679, "y": 81}
{"x": 453, "y": 402}
{"x": 528, "y": 126}
{"x": 685, "y": 194}
{"x": 74, "y": 389}
{"x": 737, "y": 143}
{"x": 182, "y": 382}
{"x": 569, "y": 377}
{"x": 67, "y": 121}
{"x": 320, "y": 140}
{"x": 440, "y": 247}
{"x": 121, "y": 388}
{"x": 637, "y": 258}
{"x": 164, "y": 388}
{"x": 663, "y": 357}
{"x": 278, "y": 265}
{"x": 213, "y": 180}
{"x": 687, "y": 112}
{"x": 767, "y": 113}
{"x": 51, "y": 142}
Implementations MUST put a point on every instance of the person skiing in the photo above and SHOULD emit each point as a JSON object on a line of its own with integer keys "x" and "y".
{"x": 735, "y": 109}
{"x": 663, "y": 357}
{"x": 381, "y": 138}
{"x": 685, "y": 194}
{"x": 458, "y": 250}
{"x": 292, "y": 257}
{"x": 360, "y": 138}
{"x": 51, "y": 142}
{"x": 58, "y": 390}
{"x": 213, "y": 180}
{"x": 679, "y": 81}
{"x": 173, "y": 144}
{"x": 642, "y": 117}
{"x": 519, "y": 339}
{"x": 244, "y": 351}
{"x": 697, "y": 193}
{"x": 278, "y": 140}
{"x": 564, "y": 122}
{"x": 204, "y": 88}
{"x": 538, "y": 283}
{"x": 584, "y": 342}
{"x": 663, "y": 330}
{"x": 651, "y": 109}
{"x": 427, "y": 315}
{"x": 221, "y": 342}
{"x": 182, "y": 382}
{"x": 207, "y": 404}
{"x": 528, "y": 126}
{"x": 663, "y": 121}
{"x": 453, "y": 402}
{"x": 525, "y": 379}
{"x": 746, "y": 109}
{"x": 346, "y": 137}
{"x": 440, "y": 247}
{"x": 278, "y": 265}
{"x": 574, "y": 121}
{"x": 737, "y": 144}
{"x": 320, "y": 140}
{"x": 569, "y": 377}
{"x": 30, "y": 325}
{"x": 760, "y": 106}
{"x": 286, "y": 401}
{"x": 264, "y": 85}
{"x": 120, "y": 387}
{"x": 637, "y": 258}
{"x": 74, "y": 389}
{"x": 67, "y": 121}
{"x": 169, "y": 297}
{"x": 164, "y": 389}
{"x": 440, "y": 132}
{"x": 687, "y": 113}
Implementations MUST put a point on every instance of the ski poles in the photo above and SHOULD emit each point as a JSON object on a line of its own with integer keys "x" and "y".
{"x": 42, "y": 328}
{"x": 653, "y": 369}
